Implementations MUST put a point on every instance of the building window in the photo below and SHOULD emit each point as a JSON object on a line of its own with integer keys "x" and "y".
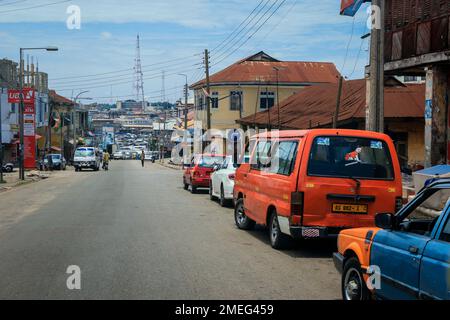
{"x": 13, "y": 108}
{"x": 200, "y": 102}
{"x": 267, "y": 100}
{"x": 235, "y": 100}
{"x": 214, "y": 100}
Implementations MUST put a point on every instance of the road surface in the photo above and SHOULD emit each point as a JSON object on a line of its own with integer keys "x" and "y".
{"x": 136, "y": 234}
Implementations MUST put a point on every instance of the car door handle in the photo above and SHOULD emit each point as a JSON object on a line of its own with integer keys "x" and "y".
{"x": 413, "y": 250}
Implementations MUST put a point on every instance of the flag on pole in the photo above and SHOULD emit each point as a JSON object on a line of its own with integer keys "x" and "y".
{"x": 350, "y": 7}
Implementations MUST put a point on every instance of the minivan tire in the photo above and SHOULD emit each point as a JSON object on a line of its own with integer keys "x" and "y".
{"x": 353, "y": 286}
{"x": 278, "y": 240}
{"x": 242, "y": 221}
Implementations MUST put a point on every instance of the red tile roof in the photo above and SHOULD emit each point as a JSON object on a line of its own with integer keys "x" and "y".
{"x": 314, "y": 106}
{"x": 260, "y": 68}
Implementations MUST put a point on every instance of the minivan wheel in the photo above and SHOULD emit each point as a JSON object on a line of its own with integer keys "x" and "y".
{"x": 278, "y": 240}
{"x": 242, "y": 221}
{"x": 353, "y": 285}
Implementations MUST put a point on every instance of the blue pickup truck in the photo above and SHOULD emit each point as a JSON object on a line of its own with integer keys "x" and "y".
{"x": 409, "y": 251}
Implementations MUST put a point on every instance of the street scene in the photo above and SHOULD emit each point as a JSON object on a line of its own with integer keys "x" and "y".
{"x": 289, "y": 150}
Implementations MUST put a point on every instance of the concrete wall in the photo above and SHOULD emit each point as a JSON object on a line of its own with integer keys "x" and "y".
{"x": 224, "y": 118}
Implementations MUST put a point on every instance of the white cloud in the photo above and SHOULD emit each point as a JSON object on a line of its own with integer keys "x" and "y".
{"x": 106, "y": 35}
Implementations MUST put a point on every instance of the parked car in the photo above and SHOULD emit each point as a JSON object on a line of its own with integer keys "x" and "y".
{"x": 58, "y": 161}
{"x": 197, "y": 172}
{"x": 118, "y": 155}
{"x": 312, "y": 184}
{"x": 8, "y": 167}
{"x": 410, "y": 249}
{"x": 86, "y": 158}
{"x": 222, "y": 180}
{"x": 126, "y": 155}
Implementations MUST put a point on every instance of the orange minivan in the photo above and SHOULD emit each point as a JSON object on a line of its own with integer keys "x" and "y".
{"x": 314, "y": 183}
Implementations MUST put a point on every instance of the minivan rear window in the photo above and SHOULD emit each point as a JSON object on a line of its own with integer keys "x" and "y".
{"x": 209, "y": 161}
{"x": 353, "y": 157}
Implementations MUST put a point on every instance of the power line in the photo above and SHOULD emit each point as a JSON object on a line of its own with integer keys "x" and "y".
{"x": 239, "y": 26}
{"x": 34, "y": 7}
{"x": 348, "y": 44}
{"x": 123, "y": 70}
{"x": 249, "y": 29}
{"x": 119, "y": 79}
{"x": 123, "y": 82}
{"x": 247, "y": 39}
{"x": 10, "y": 3}
{"x": 119, "y": 76}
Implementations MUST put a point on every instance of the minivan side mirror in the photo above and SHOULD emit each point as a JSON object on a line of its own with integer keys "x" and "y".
{"x": 385, "y": 220}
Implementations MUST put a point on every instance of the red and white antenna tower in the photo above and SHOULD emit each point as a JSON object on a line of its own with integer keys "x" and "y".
{"x": 138, "y": 85}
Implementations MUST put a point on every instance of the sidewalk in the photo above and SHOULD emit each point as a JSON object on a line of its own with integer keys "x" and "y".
{"x": 165, "y": 163}
{"x": 12, "y": 178}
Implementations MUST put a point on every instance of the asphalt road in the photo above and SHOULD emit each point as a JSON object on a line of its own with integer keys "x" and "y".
{"x": 136, "y": 234}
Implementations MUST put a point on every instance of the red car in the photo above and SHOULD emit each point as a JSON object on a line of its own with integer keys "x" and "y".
{"x": 197, "y": 174}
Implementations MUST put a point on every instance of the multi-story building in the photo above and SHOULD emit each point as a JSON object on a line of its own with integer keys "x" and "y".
{"x": 255, "y": 84}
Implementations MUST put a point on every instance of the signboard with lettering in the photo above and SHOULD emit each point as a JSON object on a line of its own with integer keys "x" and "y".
{"x": 14, "y": 96}
{"x": 29, "y": 124}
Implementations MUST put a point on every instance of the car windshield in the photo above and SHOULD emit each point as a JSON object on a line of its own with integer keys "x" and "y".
{"x": 84, "y": 153}
{"x": 353, "y": 157}
{"x": 209, "y": 161}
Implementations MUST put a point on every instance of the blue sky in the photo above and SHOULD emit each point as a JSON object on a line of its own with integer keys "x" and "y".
{"x": 173, "y": 35}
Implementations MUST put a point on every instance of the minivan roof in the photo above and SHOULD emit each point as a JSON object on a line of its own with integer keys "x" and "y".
{"x": 332, "y": 132}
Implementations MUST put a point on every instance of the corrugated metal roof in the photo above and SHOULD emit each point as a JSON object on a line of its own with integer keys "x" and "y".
{"x": 251, "y": 70}
{"x": 314, "y": 106}
{"x": 59, "y": 99}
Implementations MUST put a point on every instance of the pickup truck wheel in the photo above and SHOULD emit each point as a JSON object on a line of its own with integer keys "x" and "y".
{"x": 353, "y": 285}
{"x": 242, "y": 221}
{"x": 278, "y": 240}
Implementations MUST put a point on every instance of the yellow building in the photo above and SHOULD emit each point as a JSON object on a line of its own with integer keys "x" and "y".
{"x": 255, "y": 84}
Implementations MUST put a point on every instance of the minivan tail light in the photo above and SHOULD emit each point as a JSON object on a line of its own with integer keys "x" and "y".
{"x": 231, "y": 176}
{"x": 297, "y": 203}
{"x": 398, "y": 203}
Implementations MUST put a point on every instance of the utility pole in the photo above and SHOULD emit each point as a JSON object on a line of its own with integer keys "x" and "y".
{"x": 208, "y": 101}
{"x": 338, "y": 103}
{"x": 375, "y": 111}
{"x": 21, "y": 131}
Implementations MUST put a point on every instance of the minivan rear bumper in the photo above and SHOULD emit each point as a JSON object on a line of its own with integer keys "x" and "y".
{"x": 315, "y": 232}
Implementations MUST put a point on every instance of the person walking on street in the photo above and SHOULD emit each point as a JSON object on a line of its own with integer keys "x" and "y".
{"x": 105, "y": 160}
{"x": 142, "y": 158}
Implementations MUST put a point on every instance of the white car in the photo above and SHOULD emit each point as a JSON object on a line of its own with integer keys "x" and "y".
{"x": 222, "y": 182}
{"x": 118, "y": 155}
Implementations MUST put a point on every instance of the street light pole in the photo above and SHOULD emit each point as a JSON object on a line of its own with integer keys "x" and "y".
{"x": 21, "y": 107}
